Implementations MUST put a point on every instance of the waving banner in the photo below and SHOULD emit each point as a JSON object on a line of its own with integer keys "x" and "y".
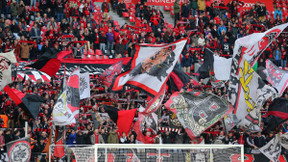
{"x": 150, "y": 67}
{"x": 197, "y": 110}
{"x": 6, "y": 60}
{"x": 276, "y": 77}
{"x": 19, "y": 150}
{"x": 66, "y": 109}
{"x": 84, "y": 85}
{"x": 253, "y": 45}
{"x": 272, "y": 149}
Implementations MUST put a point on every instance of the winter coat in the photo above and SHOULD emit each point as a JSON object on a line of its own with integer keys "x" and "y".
{"x": 113, "y": 138}
{"x": 25, "y": 50}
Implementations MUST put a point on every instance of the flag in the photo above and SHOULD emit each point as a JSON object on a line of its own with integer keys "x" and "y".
{"x": 123, "y": 118}
{"x": 276, "y": 77}
{"x": 174, "y": 122}
{"x": 229, "y": 121}
{"x": 272, "y": 149}
{"x": 58, "y": 150}
{"x": 283, "y": 139}
{"x": 150, "y": 67}
{"x": 207, "y": 64}
{"x": 197, "y": 110}
{"x": 84, "y": 86}
{"x": 48, "y": 62}
{"x": 156, "y": 102}
{"x": 277, "y": 113}
{"x": 29, "y": 103}
{"x": 6, "y": 61}
{"x": 19, "y": 150}
{"x": 66, "y": 109}
{"x": 253, "y": 45}
{"x": 177, "y": 80}
{"x": 145, "y": 121}
{"x": 222, "y": 67}
{"x": 246, "y": 92}
{"x": 214, "y": 82}
{"x": 107, "y": 76}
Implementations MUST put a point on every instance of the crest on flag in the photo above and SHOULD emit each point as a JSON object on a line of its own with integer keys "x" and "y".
{"x": 197, "y": 110}
{"x": 107, "y": 76}
{"x": 19, "y": 150}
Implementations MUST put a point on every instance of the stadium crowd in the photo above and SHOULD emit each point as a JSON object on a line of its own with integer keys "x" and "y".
{"x": 30, "y": 27}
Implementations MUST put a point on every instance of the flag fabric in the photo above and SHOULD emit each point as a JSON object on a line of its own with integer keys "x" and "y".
{"x": 276, "y": 77}
{"x": 229, "y": 121}
{"x": 66, "y": 109}
{"x": 123, "y": 118}
{"x": 156, "y": 102}
{"x": 214, "y": 82}
{"x": 48, "y": 62}
{"x": 197, "y": 110}
{"x": 139, "y": 127}
{"x": 174, "y": 122}
{"x": 253, "y": 45}
{"x": 247, "y": 91}
{"x": 283, "y": 139}
{"x": 19, "y": 150}
{"x": 84, "y": 86}
{"x": 277, "y": 113}
{"x": 207, "y": 64}
{"x": 222, "y": 67}
{"x": 272, "y": 149}
{"x": 29, "y": 103}
{"x": 150, "y": 67}
{"x": 107, "y": 76}
{"x": 58, "y": 150}
{"x": 145, "y": 121}
{"x": 177, "y": 80}
{"x": 6, "y": 61}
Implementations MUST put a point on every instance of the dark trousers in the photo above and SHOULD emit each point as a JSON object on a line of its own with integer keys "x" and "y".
{"x": 177, "y": 17}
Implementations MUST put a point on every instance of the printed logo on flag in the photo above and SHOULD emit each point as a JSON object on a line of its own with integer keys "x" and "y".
{"x": 20, "y": 152}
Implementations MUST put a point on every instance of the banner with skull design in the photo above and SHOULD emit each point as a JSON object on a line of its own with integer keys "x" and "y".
{"x": 150, "y": 67}
{"x": 197, "y": 110}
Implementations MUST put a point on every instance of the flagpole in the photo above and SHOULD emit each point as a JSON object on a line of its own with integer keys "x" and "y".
{"x": 26, "y": 129}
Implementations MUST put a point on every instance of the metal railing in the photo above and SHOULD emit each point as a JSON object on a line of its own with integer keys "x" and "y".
{"x": 157, "y": 150}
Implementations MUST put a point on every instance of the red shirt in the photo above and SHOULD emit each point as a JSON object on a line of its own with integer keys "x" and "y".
{"x": 149, "y": 140}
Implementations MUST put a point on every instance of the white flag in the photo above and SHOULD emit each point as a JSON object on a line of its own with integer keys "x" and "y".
{"x": 253, "y": 45}
{"x": 272, "y": 149}
{"x": 6, "y": 59}
{"x": 222, "y": 67}
{"x": 276, "y": 77}
{"x": 84, "y": 85}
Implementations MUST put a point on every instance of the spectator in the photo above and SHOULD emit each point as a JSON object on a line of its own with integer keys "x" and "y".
{"x": 277, "y": 13}
{"x": 72, "y": 138}
{"x": 122, "y": 8}
{"x": 113, "y": 137}
{"x": 259, "y": 140}
{"x": 277, "y": 56}
{"x": 123, "y": 138}
{"x": 110, "y": 41}
{"x": 176, "y": 12}
{"x": 96, "y": 137}
{"x": 120, "y": 49}
{"x": 185, "y": 10}
{"x": 105, "y": 9}
{"x": 186, "y": 63}
{"x": 148, "y": 138}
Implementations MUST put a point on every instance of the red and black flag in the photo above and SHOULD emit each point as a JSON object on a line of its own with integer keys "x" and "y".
{"x": 277, "y": 113}
{"x": 48, "y": 62}
{"x": 59, "y": 150}
{"x": 107, "y": 76}
{"x": 177, "y": 80}
{"x": 123, "y": 118}
{"x": 207, "y": 64}
{"x": 19, "y": 150}
{"x": 29, "y": 103}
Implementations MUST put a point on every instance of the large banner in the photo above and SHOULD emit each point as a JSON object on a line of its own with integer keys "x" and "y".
{"x": 150, "y": 67}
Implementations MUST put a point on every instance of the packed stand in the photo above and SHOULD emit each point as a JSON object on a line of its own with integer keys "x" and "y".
{"x": 30, "y": 27}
